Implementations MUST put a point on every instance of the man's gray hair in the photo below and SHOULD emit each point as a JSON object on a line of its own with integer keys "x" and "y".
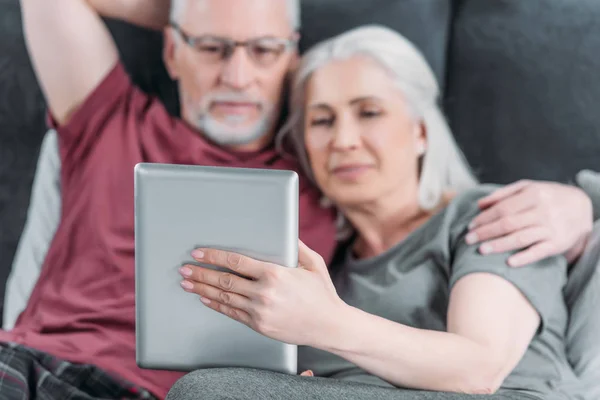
{"x": 444, "y": 167}
{"x": 178, "y": 8}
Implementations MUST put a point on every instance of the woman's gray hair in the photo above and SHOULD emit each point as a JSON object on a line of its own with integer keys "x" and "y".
{"x": 444, "y": 168}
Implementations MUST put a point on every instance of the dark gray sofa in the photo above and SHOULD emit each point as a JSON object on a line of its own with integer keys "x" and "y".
{"x": 521, "y": 85}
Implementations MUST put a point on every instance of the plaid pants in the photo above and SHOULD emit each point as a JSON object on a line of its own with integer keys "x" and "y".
{"x": 28, "y": 374}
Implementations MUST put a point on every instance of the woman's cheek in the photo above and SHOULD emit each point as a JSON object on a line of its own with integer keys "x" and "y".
{"x": 318, "y": 142}
{"x": 379, "y": 139}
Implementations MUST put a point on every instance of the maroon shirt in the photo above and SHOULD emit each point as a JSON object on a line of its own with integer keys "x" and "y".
{"x": 83, "y": 306}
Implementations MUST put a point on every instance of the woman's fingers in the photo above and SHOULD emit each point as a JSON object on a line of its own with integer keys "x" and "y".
{"x": 215, "y": 294}
{"x": 226, "y": 281}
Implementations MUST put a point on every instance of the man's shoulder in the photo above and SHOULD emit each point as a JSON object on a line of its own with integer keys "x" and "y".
{"x": 115, "y": 105}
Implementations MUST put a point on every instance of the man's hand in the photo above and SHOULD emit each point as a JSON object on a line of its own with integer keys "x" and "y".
{"x": 542, "y": 219}
{"x": 71, "y": 49}
{"x": 292, "y": 305}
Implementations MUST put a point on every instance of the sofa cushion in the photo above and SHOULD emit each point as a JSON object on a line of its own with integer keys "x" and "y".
{"x": 524, "y": 87}
{"x": 42, "y": 221}
{"x": 21, "y": 130}
{"x": 424, "y": 22}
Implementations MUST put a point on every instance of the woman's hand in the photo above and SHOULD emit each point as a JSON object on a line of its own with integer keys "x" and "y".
{"x": 292, "y": 305}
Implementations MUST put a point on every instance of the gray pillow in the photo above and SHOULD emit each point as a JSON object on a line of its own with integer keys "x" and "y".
{"x": 589, "y": 182}
{"x": 583, "y": 298}
{"x": 42, "y": 220}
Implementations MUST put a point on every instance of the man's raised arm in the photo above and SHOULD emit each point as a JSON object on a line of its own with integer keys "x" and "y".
{"x": 72, "y": 50}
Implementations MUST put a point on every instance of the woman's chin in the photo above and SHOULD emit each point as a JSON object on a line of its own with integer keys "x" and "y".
{"x": 352, "y": 195}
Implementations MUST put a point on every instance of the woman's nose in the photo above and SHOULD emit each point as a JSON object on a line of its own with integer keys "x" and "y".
{"x": 346, "y": 135}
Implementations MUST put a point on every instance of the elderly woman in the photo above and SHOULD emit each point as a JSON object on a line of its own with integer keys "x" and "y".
{"x": 412, "y": 310}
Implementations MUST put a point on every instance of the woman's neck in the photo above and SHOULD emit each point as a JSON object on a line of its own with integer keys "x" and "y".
{"x": 385, "y": 222}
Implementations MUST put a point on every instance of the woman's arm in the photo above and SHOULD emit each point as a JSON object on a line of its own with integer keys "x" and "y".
{"x": 490, "y": 322}
{"x": 490, "y": 325}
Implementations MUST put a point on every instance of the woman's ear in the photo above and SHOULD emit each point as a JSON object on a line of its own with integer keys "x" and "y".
{"x": 421, "y": 138}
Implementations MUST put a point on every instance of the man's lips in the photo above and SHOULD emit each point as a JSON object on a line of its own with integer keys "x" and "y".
{"x": 235, "y": 108}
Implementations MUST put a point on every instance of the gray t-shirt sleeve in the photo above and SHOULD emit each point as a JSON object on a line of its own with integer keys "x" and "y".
{"x": 541, "y": 283}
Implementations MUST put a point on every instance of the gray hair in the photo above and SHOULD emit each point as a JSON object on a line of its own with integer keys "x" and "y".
{"x": 178, "y": 8}
{"x": 444, "y": 168}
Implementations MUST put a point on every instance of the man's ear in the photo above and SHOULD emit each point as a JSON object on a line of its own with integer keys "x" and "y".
{"x": 170, "y": 52}
{"x": 295, "y": 61}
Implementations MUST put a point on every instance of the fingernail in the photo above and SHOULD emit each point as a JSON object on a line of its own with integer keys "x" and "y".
{"x": 187, "y": 285}
{"x": 205, "y": 300}
{"x": 198, "y": 254}
{"x": 472, "y": 225}
{"x": 472, "y": 238}
{"x": 485, "y": 249}
{"x": 513, "y": 262}
{"x": 185, "y": 271}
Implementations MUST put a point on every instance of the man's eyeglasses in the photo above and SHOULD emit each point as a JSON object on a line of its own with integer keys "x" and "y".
{"x": 264, "y": 51}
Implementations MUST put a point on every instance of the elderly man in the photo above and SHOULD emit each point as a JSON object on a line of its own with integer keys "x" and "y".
{"x": 76, "y": 337}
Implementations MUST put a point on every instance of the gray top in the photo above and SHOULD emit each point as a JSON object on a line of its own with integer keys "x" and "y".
{"x": 410, "y": 284}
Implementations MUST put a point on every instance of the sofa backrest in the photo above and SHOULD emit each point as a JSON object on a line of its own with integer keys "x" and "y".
{"x": 523, "y": 89}
{"x": 521, "y": 83}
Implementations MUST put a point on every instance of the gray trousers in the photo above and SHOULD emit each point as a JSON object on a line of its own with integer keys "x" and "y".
{"x": 239, "y": 383}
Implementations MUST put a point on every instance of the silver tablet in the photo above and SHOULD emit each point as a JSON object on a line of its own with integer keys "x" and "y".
{"x": 179, "y": 208}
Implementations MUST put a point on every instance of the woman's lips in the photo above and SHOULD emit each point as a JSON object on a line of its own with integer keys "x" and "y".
{"x": 351, "y": 171}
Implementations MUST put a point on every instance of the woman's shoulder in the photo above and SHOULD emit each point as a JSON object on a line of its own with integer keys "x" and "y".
{"x": 464, "y": 207}
{"x": 466, "y": 202}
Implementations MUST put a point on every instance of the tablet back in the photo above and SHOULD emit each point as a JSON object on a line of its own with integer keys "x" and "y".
{"x": 179, "y": 208}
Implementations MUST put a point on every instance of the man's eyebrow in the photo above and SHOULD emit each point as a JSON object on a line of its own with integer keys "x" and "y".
{"x": 320, "y": 106}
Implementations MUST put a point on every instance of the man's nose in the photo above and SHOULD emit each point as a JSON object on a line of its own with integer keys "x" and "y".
{"x": 238, "y": 71}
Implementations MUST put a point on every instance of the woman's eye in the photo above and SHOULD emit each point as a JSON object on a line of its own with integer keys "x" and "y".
{"x": 369, "y": 114}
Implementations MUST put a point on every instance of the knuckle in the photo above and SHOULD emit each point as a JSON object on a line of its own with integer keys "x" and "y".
{"x": 197, "y": 275}
{"x": 266, "y": 298}
{"x": 262, "y": 323}
{"x": 506, "y": 224}
{"x": 212, "y": 256}
{"x": 509, "y": 223}
{"x": 259, "y": 322}
{"x": 234, "y": 261}
{"x": 520, "y": 240}
{"x": 272, "y": 275}
{"x": 539, "y": 193}
{"x": 226, "y": 281}
{"x": 502, "y": 212}
{"x": 225, "y": 298}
